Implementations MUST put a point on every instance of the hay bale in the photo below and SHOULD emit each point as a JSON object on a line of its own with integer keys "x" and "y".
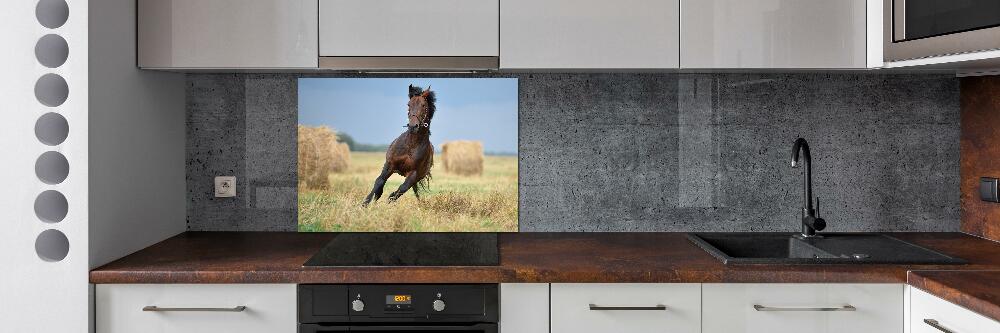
{"x": 320, "y": 155}
{"x": 463, "y": 157}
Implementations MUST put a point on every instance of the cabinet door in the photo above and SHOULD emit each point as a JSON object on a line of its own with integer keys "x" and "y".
{"x": 625, "y": 307}
{"x": 930, "y": 314}
{"x": 524, "y": 308}
{"x": 403, "y": 28}
{"x": 802, "y": 308}
{"x": 773, "y": 34}
{"x": 589, "y": 34}
{"x": 269, "y": 308}
{"x": 227, "y": 33}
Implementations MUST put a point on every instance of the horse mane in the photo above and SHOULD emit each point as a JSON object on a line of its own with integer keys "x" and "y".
{"x": 430, "y": 98}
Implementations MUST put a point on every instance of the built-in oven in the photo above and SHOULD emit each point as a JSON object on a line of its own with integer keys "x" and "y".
{"x": 387, "y": 308}
{"x": 916, "y": 29}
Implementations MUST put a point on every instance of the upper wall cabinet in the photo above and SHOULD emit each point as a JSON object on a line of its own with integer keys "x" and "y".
{"x": 406, "y": 34}
{"x": 623, "y": 34}
{"x": 193, "y": 34}
{"x": 775, "y": 34}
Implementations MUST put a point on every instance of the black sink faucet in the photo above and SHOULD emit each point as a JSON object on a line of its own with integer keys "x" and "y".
{"x": 810, "y": 221}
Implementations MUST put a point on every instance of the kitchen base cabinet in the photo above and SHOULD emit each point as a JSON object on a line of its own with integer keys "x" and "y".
{"x": 202, "y": 308}
{"x": 930, "y": 314}
{"x": 625, "y": 307}
{"x": 802, "y": 308}
{"x": 524, "y": 308}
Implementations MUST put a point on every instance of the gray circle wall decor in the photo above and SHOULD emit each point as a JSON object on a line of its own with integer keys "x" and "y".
{"x": 51, "y": 51}
{"x": 52, "y": 129}
{"x": 52, "y": 167}
{"x": 52, "y": 13}
{"x": 52, "y": 245}
{"x": 51, "y": 206}
{"x": 51, "y": 90}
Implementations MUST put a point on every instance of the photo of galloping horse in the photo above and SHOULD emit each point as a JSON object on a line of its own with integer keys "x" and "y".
{"x": 411, "y": 154}
{"x": 351, "y": 148}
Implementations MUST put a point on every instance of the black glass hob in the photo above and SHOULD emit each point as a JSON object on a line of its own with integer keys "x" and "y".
{"x": 408, "y": 249}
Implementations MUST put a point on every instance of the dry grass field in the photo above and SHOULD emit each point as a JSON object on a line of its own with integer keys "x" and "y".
{"x": 453, "y": 202}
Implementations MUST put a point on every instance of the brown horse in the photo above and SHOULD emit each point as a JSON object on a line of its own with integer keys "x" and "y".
{"x": 411, "y": 155}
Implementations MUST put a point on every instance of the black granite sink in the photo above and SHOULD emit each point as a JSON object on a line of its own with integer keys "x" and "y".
{"x": 833, "y": 248}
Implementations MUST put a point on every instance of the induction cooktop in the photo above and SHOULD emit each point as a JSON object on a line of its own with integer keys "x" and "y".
{"x": 408, "y": 249}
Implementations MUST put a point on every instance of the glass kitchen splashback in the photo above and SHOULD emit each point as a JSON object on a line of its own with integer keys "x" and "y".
{"x": 408, "y": 154}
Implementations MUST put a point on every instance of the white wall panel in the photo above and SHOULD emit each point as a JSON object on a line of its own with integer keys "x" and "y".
{"x": 38, "y": 295}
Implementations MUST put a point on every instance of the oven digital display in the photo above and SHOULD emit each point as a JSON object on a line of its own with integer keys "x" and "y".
{"x": 398, "y": 299}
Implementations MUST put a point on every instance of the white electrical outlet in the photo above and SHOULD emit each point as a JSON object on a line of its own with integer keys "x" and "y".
{"x": 225, "y": 187}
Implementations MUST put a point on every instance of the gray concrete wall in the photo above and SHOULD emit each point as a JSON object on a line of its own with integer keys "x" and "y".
{"x": 640, "y": 152}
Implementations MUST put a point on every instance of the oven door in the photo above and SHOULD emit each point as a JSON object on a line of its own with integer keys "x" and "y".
{"x": 474, "y": 328}
{"x": 916, "y": 29}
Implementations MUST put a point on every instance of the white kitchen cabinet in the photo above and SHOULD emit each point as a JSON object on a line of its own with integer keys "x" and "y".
{"x": 269, "y": 308}
{"x": 402, "y": 28}
{"x": 227, "y": 34}
{"x": 570, "y": 34}
{"x": 802, "y": 308}
{"x": 625, "y": 307}
{"x": 927, "y": 310}
{"x": 775, "y": 34}
{"x": 524, "y": 308}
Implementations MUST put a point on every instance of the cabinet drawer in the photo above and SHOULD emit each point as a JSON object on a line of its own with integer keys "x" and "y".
{"x": 802, "y": 308}
{"x": 269, "y": 308}
{"x": 946, "y": 315}
{"x": 622, "y": 307}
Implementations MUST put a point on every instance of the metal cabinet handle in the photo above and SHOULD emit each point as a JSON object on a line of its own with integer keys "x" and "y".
{"x": 240, "y": 308}
{"x": 657, "y": 307}
{"x": 935, "y": 324}
{"x": 848, "y": 307}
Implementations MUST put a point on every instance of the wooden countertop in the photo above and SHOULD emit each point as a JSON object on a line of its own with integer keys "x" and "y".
{"x": 978, "y": 291}
{"x": 273, "y": 257}
{"x": 269, "y": 257}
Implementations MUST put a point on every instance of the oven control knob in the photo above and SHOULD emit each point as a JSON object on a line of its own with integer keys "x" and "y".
{"x": 438, "y": 305}
{"x": 358, "y": 305}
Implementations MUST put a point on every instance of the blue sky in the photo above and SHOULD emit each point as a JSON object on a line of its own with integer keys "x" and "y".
{"x": 373, "y": 110}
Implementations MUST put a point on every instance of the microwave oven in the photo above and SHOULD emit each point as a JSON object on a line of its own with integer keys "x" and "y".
{"x": 915, "y": 29}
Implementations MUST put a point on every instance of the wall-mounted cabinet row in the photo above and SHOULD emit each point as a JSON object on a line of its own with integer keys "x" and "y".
{"x": 505, "y": 34}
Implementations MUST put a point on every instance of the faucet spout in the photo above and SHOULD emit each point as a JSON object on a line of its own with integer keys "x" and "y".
{"x": 810, "y": 222}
